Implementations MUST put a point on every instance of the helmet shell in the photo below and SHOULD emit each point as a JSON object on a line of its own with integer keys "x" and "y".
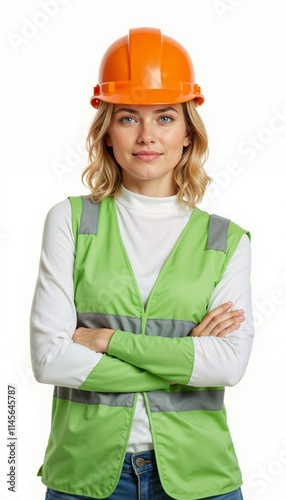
{"x": 146, "y": 67}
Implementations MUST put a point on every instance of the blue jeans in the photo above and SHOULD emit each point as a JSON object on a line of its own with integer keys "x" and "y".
{"x": 139, "y": 480}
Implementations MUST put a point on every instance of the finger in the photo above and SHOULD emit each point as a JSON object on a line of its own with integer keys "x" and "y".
{"x": 211, "y": 315}
{"x": 229, "y": 330}
{"x": 218, "y": 323}
{"x": 228, "y": 318}
{"x": 224, "y": 325}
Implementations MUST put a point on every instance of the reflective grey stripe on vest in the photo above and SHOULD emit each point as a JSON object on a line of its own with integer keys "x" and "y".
{"x": 154, "y": 327}
{"x": 89, "y": 217}
{"x": 114, "y": 321}
{"x": 209, "y": 399}
{"x": 168, "y": 327}
{"x": 125, "y": 399}
{"x": 218, "y": 228}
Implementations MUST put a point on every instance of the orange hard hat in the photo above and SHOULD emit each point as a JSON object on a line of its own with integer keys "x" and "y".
{"x": 146, "y": 67}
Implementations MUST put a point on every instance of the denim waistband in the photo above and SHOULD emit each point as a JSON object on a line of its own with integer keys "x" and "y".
{"x": 139, "y": 462}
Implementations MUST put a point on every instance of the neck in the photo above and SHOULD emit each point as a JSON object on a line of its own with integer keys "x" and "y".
{"x": 148, "y": 188}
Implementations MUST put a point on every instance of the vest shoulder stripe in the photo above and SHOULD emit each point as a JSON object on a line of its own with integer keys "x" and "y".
{"x": 217, "y": 237}
{"x": 89, "y": 217}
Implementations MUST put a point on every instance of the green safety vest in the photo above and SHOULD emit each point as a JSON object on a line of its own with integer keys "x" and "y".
{"x": 91, "y": 425}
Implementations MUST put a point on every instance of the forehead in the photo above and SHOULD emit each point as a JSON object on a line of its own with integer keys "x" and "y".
{"x": 148, "y": 109}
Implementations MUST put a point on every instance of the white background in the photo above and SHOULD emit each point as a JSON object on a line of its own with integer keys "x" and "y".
{"x": 50, "y": 50}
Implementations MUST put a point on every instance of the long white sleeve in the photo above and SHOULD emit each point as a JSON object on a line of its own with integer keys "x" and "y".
{"x": 56, "y": 359}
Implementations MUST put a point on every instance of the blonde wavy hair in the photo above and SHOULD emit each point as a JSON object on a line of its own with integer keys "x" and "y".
{"x": 103, "y": 174}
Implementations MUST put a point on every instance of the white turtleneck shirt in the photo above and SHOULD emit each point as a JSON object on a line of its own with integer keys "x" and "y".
{"x": 149, "y": 229}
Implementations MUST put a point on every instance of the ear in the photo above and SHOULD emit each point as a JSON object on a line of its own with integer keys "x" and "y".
{"x": 108, "y": 141}
{"x": 187, "y": 141}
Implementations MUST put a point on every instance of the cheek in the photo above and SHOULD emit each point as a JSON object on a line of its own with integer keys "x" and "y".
{"x": 177, "y": 139}
{"x": 117, "y": 141}
{"x": 179, "y": 145}
{"x": 118, "y": 151}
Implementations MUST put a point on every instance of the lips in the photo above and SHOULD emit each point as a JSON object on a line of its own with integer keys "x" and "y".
{"x": 147, "y": 155}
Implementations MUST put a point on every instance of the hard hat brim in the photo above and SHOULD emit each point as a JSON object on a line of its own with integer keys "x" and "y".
{"x": 141, "y": 96}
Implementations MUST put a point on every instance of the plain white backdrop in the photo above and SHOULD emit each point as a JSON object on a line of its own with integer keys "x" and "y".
{"x": 50, "y": 52}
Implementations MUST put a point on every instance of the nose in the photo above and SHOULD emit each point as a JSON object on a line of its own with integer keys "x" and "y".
{"x": 146, "y": 134}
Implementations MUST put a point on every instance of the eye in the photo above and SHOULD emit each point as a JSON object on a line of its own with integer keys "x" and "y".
{"x": 127, "y": 120}
{"x": 166, "y": 119}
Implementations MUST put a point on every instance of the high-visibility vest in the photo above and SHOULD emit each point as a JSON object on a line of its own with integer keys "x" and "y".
{"x": 91, "y": 425}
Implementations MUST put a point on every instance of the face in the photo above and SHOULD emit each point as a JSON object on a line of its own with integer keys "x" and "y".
{"x": 147, "y": 143}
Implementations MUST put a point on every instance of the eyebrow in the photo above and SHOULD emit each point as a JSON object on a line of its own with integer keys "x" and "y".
{"x": 134, "y": 111}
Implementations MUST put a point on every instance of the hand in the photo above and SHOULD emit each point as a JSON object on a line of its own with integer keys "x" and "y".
{"x": 96, "y": 339}
{"x": 219, "y": 322}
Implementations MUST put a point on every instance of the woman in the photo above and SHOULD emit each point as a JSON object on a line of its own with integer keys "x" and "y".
{"x": 142, "y": 309}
